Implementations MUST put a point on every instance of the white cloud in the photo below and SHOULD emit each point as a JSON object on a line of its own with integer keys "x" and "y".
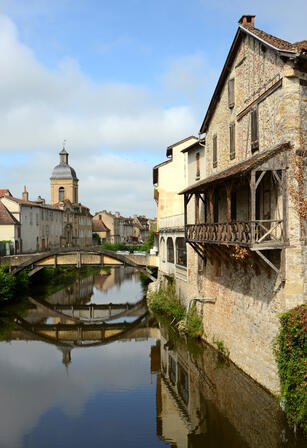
{"x": 45, "y": 106}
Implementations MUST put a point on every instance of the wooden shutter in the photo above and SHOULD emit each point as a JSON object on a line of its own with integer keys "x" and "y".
{"x": 214, "y": 151}
{"x": 231, "y": 93}
{"x": 232, "y": 140}
{"x": 197, "y": 165}
{"x": 254, "y": 130}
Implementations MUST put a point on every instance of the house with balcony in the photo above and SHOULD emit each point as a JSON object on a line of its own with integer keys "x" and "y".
{"x": 170, "y": 177}
{"x": 245, "y": 201}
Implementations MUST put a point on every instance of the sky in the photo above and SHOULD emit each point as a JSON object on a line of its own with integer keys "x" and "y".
{"x": 119, "y": 81}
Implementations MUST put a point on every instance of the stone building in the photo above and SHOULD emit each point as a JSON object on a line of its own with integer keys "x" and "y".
{"x": 245, "y": 217}
{"x": 169, "y": 178}
{"x": 77, "y": 220}
{"x": 34, "y": 225}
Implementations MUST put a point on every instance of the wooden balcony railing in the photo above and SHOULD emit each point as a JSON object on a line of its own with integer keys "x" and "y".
{"x": 239, "y": 232}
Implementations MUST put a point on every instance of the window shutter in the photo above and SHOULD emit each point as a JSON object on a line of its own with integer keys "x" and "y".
{"x": 214, "y": 153}
{"x": 232, "y": 141}
{"x": 197, "y": 165}
{"x": 231, "y": 93}
{"x": 254, "y": 130}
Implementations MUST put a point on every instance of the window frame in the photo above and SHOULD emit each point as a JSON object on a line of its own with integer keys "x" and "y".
{"x": 170, "y": 250}
{"x": 181, "y": 252}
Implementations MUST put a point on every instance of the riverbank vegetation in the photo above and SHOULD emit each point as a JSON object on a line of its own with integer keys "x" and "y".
{"x": 165, "y": 303}
{"x": 291, "y": 350}
{"x": 145, "y": 247}
{"x": 12, "y": 286}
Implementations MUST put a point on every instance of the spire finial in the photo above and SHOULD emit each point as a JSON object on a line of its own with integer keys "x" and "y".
{"x": 64, "y": 144}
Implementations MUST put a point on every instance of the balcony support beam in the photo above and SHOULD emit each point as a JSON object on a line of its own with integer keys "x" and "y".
{"x": 252, "y": 185}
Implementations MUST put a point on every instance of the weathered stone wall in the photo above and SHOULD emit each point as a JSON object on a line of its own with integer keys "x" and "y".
{"x": 245, "y": 314}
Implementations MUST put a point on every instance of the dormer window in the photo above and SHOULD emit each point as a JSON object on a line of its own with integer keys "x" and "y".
{"x": 231, "y": 93}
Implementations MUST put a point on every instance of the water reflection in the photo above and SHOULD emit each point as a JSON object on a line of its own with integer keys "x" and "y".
{"x": 88, "y": 366}
{"x": 205, "y": 401}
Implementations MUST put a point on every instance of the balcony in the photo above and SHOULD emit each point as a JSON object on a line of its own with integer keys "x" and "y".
{"x": 264, "y": 234}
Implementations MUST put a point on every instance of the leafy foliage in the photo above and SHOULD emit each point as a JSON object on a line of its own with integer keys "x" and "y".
{"x": 290, "y": 351}
{"x": 145, "y": 247}
{"x": 7, "y": 284}
{"x": 165, "y": 303}
{"x": 12, "y": 286}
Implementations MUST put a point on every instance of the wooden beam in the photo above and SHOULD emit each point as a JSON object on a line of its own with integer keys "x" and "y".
{"x": 210, "y": 194}
{"x": 253, "y": 204}
{"x": 259, "y": 179}
{"x": 285, "y": 198}
{"x": 268, "y": 262}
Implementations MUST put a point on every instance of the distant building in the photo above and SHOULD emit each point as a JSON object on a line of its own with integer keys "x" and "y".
{"x": 30, "y": 226}
{"x": 77, "y": 220}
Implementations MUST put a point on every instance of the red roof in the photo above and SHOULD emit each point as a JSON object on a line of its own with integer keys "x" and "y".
{"x": 99, "y": 226}
{"x": 5, "y": 192}
{"x": 276, "y": 42}
{"x": 6, "y": 216}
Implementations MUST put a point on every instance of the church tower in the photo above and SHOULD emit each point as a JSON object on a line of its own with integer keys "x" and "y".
{"x": 64, "y": 181}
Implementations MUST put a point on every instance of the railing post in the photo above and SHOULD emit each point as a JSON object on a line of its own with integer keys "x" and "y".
{"x": 253, "y": 203}
{"x": 185, "y": 215}
{"x": 228, "y": 193}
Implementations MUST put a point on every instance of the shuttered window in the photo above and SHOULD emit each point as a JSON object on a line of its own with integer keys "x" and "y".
{"x": 254, "y": 130}
{"x": 232, "y": 140}
{"x": 214, "y": 152}
{"x": 231, "y": 93}
{"x": 197, "y": 165}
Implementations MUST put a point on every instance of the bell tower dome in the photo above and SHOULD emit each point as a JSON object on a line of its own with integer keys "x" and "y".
{"x": 64, "y": 181}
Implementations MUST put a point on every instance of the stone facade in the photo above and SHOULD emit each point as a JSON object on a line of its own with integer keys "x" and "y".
{"x": 245, "y": 213}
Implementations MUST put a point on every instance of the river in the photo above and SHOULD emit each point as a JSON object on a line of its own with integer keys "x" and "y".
{"x": 86, "y": 365}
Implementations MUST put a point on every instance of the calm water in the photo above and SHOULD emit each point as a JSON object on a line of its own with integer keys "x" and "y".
{"x": 77, "y": 375}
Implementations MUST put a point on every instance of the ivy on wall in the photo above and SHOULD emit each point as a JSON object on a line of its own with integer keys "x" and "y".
{"x": 291, "y": 356}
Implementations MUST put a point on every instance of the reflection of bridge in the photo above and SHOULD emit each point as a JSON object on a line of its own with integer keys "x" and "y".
{"x": 92, "y": 312}
{"x": 83, "y": 334}
{"x": 78, "y": 258}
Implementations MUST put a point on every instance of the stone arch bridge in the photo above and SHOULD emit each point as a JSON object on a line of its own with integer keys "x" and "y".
{"x": 78, "y": 257}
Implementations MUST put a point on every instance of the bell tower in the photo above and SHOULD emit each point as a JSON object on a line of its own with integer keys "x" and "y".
{"x": 64, "y": 181}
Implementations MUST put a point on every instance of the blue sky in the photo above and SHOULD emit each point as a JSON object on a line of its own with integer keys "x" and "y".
{"x": 120, "y": 81}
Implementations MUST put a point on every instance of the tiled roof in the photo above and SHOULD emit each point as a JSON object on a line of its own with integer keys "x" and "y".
{"x": 5, "y": 216}
{"x": 278, "y": 43}
{"x": 99, "y": 226}
{"x": 5, "y": 192}
{"x": 238, "y": 168}
{"x": 32, "y": 203}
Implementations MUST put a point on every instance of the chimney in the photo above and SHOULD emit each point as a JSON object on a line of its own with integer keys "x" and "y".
{"x": 25, "y": 194}
{"x": 40, "y": 200}
{"x": 247, "y": 19}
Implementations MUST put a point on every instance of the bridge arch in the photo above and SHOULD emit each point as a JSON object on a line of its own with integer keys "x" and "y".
{"x": 79, "y": 258}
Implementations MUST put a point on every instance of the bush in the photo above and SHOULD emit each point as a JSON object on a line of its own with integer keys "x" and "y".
{"x": 7, "y": 284}
{"x": 165, "y": 303}
{"x": 290, "y": 350}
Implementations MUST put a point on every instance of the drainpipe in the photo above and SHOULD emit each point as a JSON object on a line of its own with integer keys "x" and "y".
{"x": 201, "y": 300}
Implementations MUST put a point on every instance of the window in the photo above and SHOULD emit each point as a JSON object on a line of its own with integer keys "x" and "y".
{"x": 232, "y": 141}
{"x": 61, "y": 194}
{"x": 31, "y": 218}
{"x": 162, "y": 249}
{"x": 170, "y": 250}
{"x": 233, "y": 206}
{"x": 181, "y": 252}
{"x": 231, "y": 93}
{"x": 214, "y": 151}
{"x": 37, "y": 219}
{"x": 197, "y": 165}
{"x": 254, "y": 130}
